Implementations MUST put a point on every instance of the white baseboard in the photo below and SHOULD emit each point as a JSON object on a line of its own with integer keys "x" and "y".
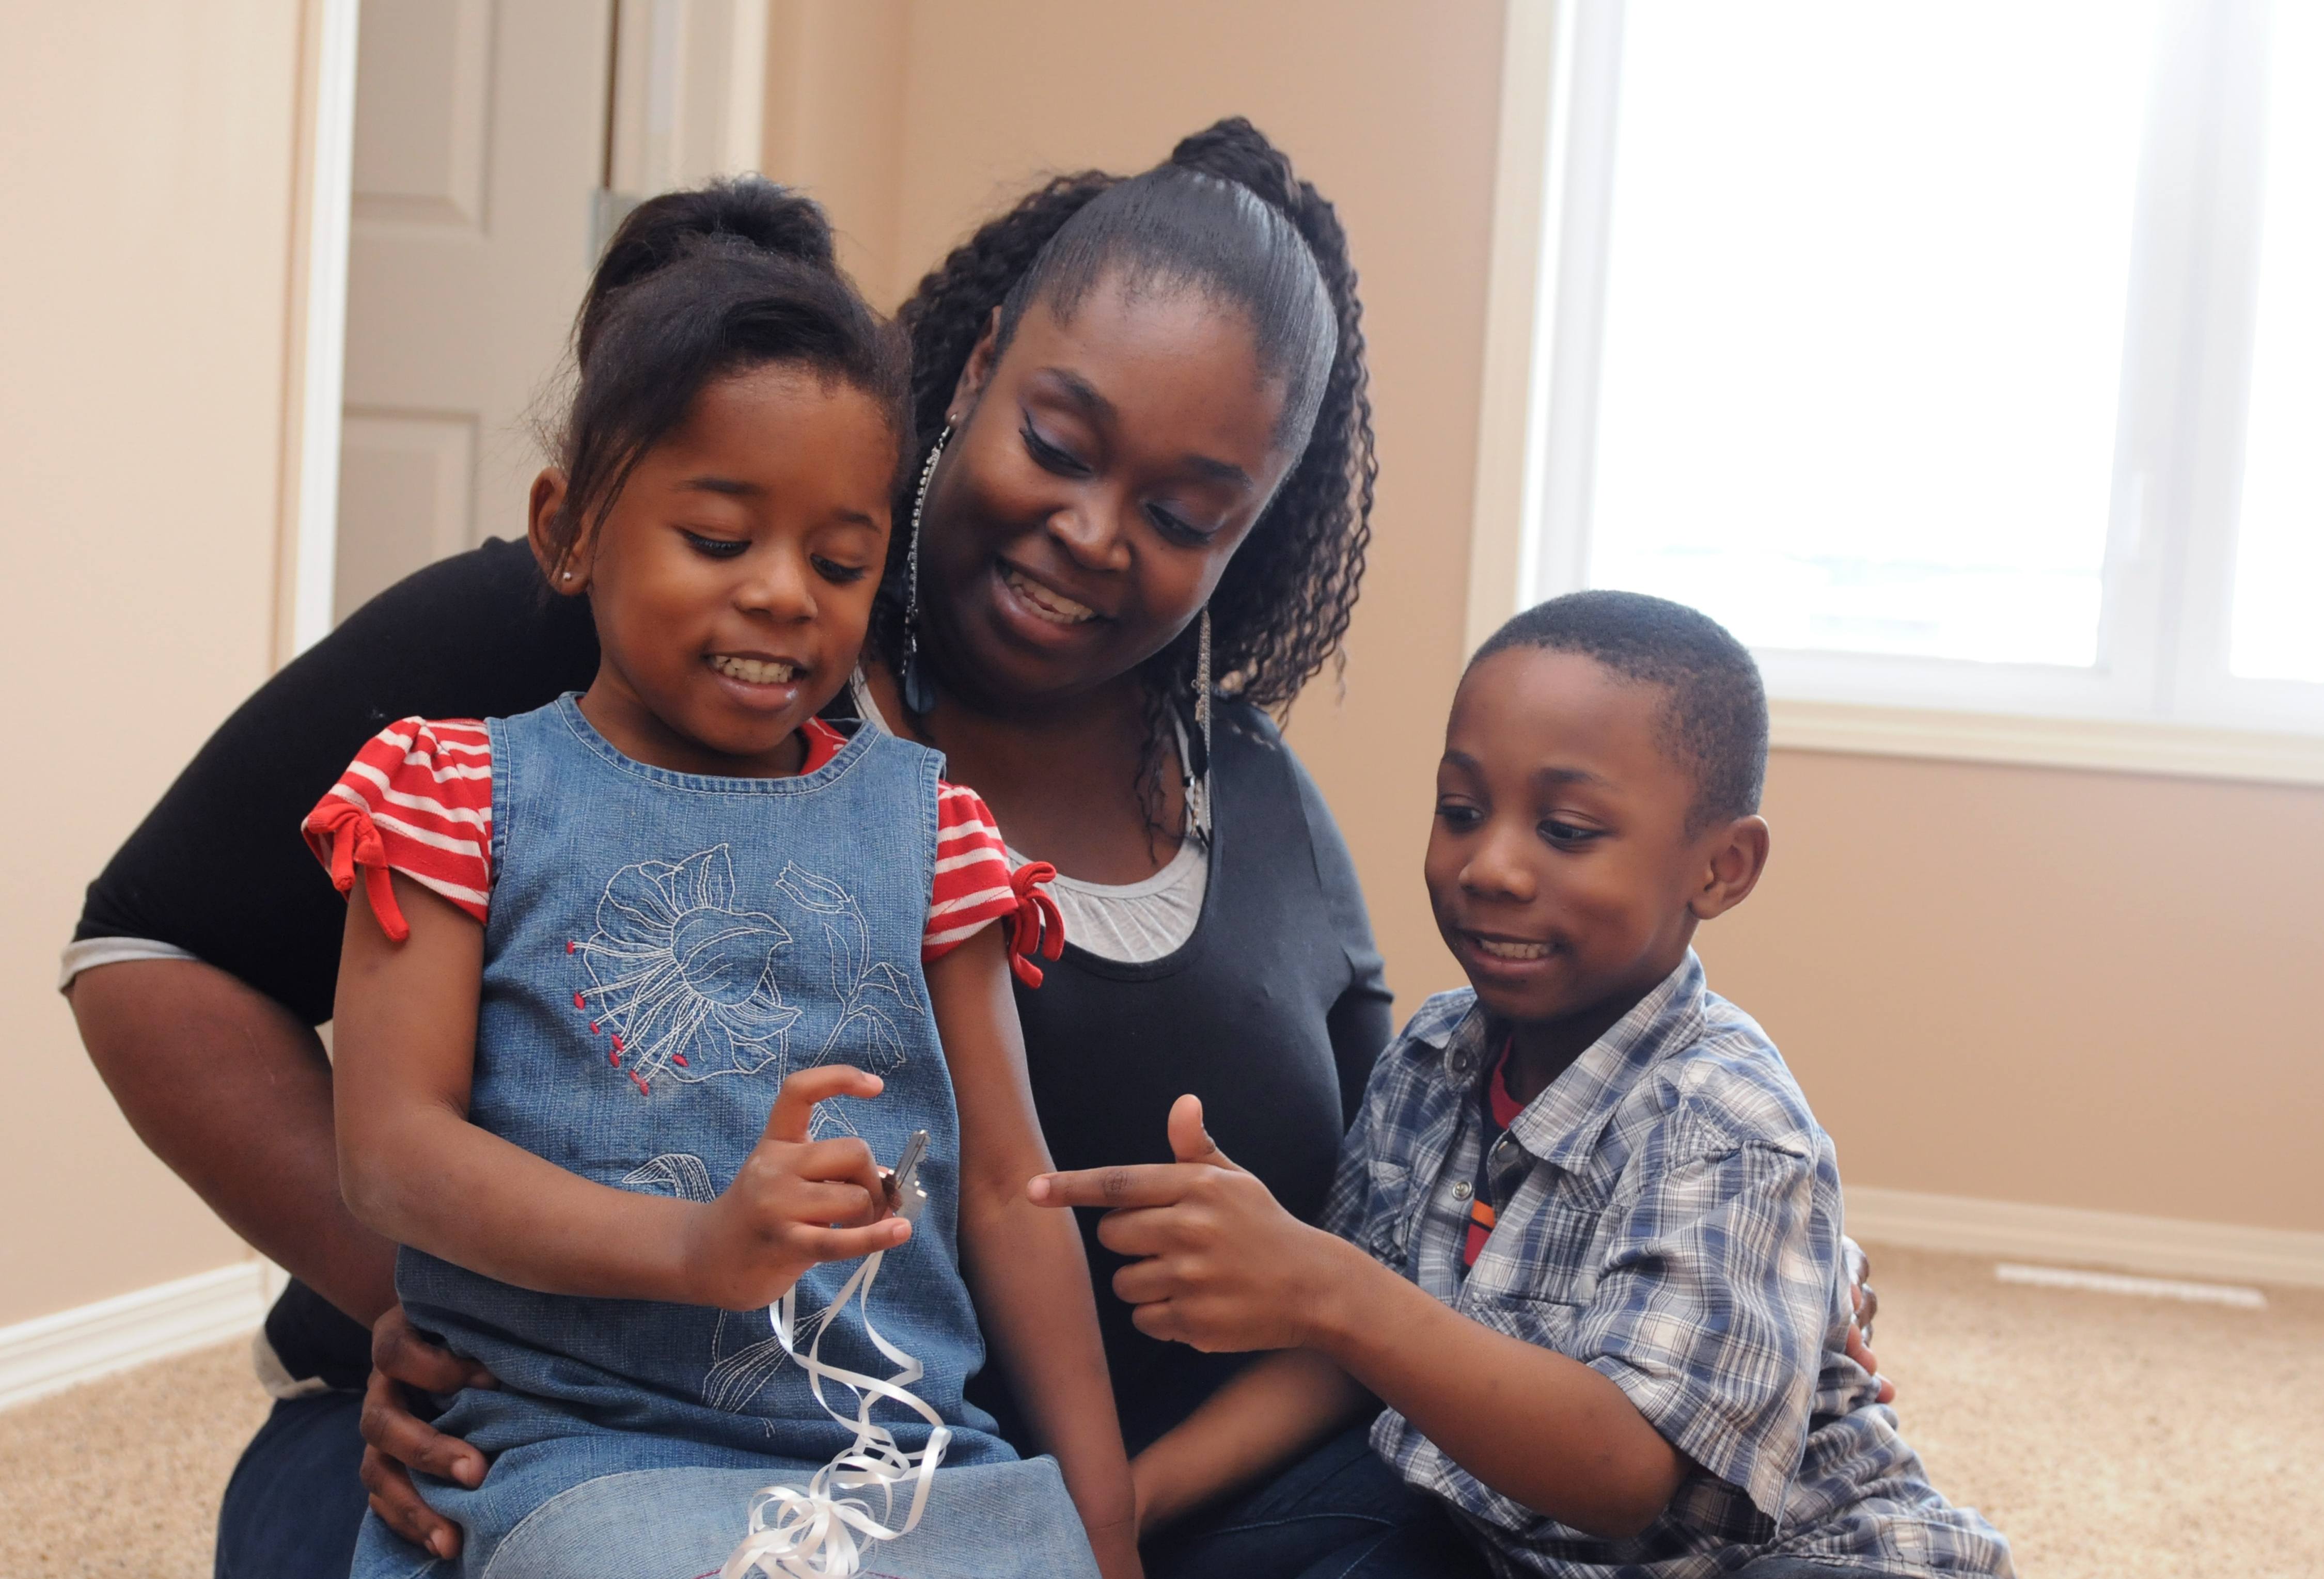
{"x": 51, "y": 1353}
{"x": 2164, "y": 1246}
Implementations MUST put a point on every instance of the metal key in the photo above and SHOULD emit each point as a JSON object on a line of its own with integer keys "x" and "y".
{"x": 904, "y": 1180}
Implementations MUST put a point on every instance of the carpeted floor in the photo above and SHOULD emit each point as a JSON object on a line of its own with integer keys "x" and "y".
{"x": 2113, "y": 1438}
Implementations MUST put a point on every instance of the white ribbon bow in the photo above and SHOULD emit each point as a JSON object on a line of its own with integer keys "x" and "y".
{"x": 813, "y": 1534}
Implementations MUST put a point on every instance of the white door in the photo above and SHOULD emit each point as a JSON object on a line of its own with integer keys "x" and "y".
{"x": 480, "y": 144}
{"x": 492, "y": 139}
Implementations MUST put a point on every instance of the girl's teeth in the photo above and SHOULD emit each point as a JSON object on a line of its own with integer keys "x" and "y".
{"x": 1049, "y": 605}
{"x": 752, "y": 672}
{"x": 1500, "y": 950}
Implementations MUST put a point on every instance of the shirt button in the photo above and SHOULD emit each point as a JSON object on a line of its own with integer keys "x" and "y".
{"x": 1461, "y": 1190}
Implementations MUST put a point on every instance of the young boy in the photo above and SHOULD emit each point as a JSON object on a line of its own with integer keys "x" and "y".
{"x": 1585, "y": 1240}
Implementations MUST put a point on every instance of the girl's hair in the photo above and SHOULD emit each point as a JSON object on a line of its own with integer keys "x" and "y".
{"x": 1225, "y": 216}
{"x": 696, "y": 286}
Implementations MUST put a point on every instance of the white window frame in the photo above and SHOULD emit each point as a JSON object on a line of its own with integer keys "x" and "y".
{"x": 2162, "y": 699}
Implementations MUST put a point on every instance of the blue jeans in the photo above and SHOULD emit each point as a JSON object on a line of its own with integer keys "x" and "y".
{"x": 1008, "y": 1519}
{"x": 294, "y": 1504}
{"x": 1340, "y": 1513}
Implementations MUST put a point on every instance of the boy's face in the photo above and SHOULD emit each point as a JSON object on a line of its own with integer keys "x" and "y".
{"x": 1560, "y": 864}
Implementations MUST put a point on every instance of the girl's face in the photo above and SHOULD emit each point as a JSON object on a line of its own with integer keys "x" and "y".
{"x": 1101, "y": 474}
{"x": 732, "y": 580}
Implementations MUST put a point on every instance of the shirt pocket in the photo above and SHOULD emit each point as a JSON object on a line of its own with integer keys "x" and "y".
{"x": 1388, "y": 1210}
{"x": 1543, "y": 1252}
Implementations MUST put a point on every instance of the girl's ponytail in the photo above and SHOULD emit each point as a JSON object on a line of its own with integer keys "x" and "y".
{"x": 754, "y": 211}
{"x": 695, "y": 285}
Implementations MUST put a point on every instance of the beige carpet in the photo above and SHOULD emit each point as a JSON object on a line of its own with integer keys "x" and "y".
{"x": 2111, "y": 1437}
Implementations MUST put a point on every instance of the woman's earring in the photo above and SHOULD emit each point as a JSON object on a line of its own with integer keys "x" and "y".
{"x": 919, "y": 691}
{"x": 1198, "y": 781}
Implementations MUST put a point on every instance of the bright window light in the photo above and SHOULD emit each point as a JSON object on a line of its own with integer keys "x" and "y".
{"x": 2278, "y": 630}
{"x": 1863, "y": 326}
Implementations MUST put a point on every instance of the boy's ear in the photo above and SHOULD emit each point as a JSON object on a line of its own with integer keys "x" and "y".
{"x": 568, "y": 573}
{"x": 1739, "y": 854}
{"x": 976, "y": 371}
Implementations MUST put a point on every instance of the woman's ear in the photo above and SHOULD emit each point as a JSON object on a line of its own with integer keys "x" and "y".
{"x": 568, "y": 570}
{"x": 1739, "y": 854}
{"x": 976, "y": 371}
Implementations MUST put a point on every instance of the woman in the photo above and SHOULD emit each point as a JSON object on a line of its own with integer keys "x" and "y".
{"x": 1138, "y": 523}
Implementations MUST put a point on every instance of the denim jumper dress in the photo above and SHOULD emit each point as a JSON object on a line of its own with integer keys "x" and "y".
{"x": 662, "y": 948}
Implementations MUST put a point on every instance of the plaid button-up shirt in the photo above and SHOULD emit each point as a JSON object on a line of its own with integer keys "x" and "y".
{"x": 1669, "y": 1214}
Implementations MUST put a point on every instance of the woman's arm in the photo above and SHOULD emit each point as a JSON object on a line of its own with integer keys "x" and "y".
{"x": 232, "y": 1090}
{"x": 1025, "y": 1266}
{"x": 415, "y": 1169}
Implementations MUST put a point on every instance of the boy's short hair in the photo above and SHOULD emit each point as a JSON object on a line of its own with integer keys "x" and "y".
{"x": 1715, "y": 718}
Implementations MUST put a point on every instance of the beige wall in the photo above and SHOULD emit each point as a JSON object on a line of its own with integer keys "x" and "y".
{"x": 2081, "y": 989}
{"x": 145, "y": 160}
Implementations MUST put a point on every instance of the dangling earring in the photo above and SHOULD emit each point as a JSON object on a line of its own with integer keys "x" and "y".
{"x": 1198, "y": 776}
{"x": 919, "y": 691}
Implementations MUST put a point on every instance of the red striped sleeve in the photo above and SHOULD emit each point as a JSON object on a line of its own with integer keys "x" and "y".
{"x": 417, "y": 799}
{"x": 975, "y": 887}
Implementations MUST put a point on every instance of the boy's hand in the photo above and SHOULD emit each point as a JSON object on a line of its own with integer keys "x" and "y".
{"x": 1225, "y": 1266}
{"x": 796, "y": 1202}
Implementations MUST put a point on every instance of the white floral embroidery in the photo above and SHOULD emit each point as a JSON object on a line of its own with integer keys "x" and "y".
{"x": 683, "y": 978}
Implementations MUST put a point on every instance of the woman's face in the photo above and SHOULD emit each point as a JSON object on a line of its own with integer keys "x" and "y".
{"x": 1100, "y": 474}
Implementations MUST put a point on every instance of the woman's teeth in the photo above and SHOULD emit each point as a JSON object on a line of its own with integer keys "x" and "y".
{"x": 754, "y": 671}
{"x": 1498, "y": 949}
{"x": 1053, "y": 607}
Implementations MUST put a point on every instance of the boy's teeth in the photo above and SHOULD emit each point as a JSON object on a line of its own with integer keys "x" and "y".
{"x": 1500, "y": 950}
{"x": 752, "y": 672}
{"x": 1049, "y": 605}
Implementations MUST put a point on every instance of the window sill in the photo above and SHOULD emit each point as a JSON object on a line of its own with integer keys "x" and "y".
{"x": 2106, "y": 745}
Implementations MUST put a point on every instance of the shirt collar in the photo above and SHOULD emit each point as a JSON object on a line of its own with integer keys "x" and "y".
{"x": 1563, "y": 1125}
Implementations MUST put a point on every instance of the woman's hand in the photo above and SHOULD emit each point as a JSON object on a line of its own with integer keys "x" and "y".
{"x": 1224, "y": 1266}
{"x": 790, "y": 1206}
{"x": 396, "y": 1441}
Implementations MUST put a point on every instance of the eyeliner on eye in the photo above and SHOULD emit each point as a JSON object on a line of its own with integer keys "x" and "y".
{"x": 1048, "y": 454}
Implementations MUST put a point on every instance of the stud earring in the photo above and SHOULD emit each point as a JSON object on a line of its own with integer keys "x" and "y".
{"x": 919, "y": 690}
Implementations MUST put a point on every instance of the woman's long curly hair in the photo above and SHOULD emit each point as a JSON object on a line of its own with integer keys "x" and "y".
{"x": 1282, "y": 605}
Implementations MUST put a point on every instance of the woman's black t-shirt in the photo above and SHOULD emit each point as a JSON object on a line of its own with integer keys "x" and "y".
{"x": 1272, "y": 1011}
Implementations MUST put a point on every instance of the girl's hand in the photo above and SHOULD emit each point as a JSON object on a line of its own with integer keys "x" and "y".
{"x": 396, "y": 1441}
{"x": 796, "y": 1202}
{"x": 1225, "y": 1267}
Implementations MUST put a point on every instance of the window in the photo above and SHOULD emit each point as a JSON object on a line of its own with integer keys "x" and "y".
{"x": 1963, "y": 356}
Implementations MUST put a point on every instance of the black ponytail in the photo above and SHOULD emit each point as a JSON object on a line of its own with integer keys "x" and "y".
{"x": 695, "y": 285}
{"x": 1228, "y": 215}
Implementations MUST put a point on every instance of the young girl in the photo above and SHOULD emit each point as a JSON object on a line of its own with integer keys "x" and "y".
{"x": 644, "y": 982}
